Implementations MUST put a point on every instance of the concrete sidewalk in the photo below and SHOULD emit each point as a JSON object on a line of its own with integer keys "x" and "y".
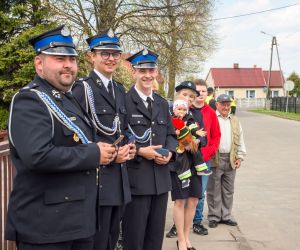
{"x": 267, "y": 191}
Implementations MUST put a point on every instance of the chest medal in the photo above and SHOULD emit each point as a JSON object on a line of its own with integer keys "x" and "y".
{"x": 75, "y": 137}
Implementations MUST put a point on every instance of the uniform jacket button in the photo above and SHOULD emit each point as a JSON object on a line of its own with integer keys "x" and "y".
{"x": 66, "y": 198}
{"x": 88, "y": 172}
{"x": 152, "y": 123}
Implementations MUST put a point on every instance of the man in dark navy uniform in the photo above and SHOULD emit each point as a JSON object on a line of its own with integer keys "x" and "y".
{"x": 149, "y": 176}
{"x": 104, "y": 99}
{"x": 53, "y": 202}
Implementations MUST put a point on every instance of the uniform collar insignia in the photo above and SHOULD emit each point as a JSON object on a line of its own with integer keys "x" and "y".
{"x": 56, "y": 94}
{"x": 99, "y": 82}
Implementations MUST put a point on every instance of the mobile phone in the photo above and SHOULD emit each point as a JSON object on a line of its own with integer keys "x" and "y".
{"x": 131, "y": 139}
{"x": 162, "y": 151}
{"x": 116, "y": 142}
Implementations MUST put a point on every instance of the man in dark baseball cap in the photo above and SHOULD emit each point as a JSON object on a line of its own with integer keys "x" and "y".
{"x": 223, "y": 98}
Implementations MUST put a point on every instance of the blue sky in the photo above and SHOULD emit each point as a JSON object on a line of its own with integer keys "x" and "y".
{"x": 241, "y": 41}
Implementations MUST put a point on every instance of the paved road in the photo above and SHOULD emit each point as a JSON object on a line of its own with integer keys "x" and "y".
{"x": 267, "y": 191}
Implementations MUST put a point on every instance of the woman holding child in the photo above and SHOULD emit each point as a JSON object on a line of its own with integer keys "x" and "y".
{"x": 189, "y": 166}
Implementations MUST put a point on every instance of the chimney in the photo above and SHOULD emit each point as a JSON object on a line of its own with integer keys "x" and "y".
{"x": 254, "y": 66}
{"x": 235, "y": 65}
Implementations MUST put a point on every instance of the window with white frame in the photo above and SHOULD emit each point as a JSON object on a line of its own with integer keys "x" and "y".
{"x": 275, "y": 93}
{"x": 229, "y": 92}
{"x": 250, "y": 93}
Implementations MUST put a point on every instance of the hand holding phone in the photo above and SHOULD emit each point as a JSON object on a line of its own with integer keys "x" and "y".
{"x": 131, "y": 139}
{"x": 162, "y": 151}
{"x": 116, "y": 142}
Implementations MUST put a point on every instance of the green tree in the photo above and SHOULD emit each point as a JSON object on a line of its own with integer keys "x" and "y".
{"x": 21, "y": 20}
{"x": 124, "y": 76}
{"x": 179, "y": 30}
{"x": 296, "y": 79}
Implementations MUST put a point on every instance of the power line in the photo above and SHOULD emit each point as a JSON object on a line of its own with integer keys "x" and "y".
{"x": 254, "y": 13}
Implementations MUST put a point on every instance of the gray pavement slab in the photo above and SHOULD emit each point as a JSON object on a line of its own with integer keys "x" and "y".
{"x": 267, "y": 191}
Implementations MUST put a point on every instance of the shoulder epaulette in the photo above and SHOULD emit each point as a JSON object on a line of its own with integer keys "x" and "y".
{"x": 85, "y": 78}
{"x": 121, "y": 84}
{"x": 160, "y": 96}
{"x": 29, "y": 86}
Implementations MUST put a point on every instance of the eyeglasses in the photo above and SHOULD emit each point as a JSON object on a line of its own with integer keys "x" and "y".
{"x": 106, "y": 55}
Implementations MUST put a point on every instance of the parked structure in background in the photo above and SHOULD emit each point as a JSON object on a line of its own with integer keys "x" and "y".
{"x": 245, "y": 83}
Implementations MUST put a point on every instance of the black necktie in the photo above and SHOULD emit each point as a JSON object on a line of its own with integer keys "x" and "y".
{"x": 70, "y": 96}
{"x": 110, "y": 90}
{"x": 149, "y": 101}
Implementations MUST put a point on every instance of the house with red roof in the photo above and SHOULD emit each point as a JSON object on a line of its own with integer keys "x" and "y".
{"x": 245, "y": 82}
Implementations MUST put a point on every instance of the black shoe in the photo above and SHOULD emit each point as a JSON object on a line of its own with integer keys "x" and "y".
{"x": 172, "y": 233}
{"x": 191, "y": 248}
{"x": 200, "y": 229}
{"x": 212, "y": 224}
{"x": 229, "y": 222}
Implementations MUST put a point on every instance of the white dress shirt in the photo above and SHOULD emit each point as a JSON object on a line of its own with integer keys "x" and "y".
{"x": 225, "y": 141}
{"x": 143, "y": 96}
{"x": 104, "y": 80}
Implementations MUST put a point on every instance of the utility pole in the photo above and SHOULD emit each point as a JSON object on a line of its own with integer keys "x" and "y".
{"x": 274, "y": 43}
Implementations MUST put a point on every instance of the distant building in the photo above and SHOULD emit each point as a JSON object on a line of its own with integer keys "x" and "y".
{"x": 245, "y": 82}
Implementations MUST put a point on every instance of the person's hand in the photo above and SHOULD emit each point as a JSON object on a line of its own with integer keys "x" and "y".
{"x": 201, "y": 132}
{"x": 163, "y": 160}
{"x": 132, "y": 150}
{"x": 107, "y": 153}
{"x": 123, "y": 154}
{"x": 149, "y": 152}
{"x": 237, "y": 163}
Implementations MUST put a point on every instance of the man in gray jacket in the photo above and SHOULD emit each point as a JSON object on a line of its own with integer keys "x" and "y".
{"x": 228, "y": 159}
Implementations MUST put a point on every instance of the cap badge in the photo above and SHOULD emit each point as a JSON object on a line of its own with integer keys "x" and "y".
{"x": 189, "y": 84}
{"x": 145, "y": 52}
{"x": 110, "y": 33}
{"x": 65, "y": 31}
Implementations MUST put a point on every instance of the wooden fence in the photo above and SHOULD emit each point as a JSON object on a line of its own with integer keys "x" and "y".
{"x": 290, "y": 104}
{"x": 7, "y": 172}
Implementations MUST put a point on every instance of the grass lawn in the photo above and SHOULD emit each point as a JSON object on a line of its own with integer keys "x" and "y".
{"x": 292, "y": 116}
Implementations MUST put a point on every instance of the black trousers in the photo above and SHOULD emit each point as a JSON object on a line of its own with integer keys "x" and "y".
{"x": 107, "y": 237}
{"x": 82, "y": 244}
{"x": 144, "y": 222}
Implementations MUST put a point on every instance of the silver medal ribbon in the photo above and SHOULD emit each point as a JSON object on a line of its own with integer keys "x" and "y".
{"x": 144, "y": 138}
{"x": 90, "y": 105}
{"x": 60, "y": 116}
